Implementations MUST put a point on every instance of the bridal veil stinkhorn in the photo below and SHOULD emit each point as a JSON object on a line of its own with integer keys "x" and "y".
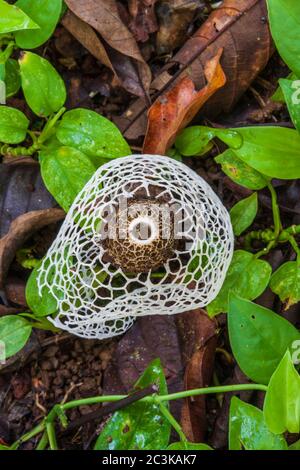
{"x": 145, "y": 236}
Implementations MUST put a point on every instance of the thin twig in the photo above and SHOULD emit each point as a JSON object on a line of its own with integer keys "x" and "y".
{"x": 111, "y": 408}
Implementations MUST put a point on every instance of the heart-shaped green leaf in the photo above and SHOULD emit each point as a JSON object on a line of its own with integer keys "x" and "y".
{"x": 13, "y": 18}
{"x": 248, "y": 430}
{"x": 258, "y": 337}
{"x": 46, "y": 14}
{"x": 93, "y": 135}
{"x": 43, "y": 87}
{"x": 282, "y": 401}
{"x": 65, "y": 172}
{"x": 284, "y": 17}
{"x": 285, "y": 282}
{"x": 243, "y": 213}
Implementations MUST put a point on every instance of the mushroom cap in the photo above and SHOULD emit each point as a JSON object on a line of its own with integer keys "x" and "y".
{"x": 103, "y": 277}
{"x": 144, "y": 246}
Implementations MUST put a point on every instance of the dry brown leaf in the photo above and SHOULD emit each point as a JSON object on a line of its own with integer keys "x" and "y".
{"x": 104, "y": 17}
{"x": 199, "y": 340}
{"x": 87, "y": 37}
{"x": 177, "y": 107}
{"x": 20, "y": 230}
{"x": 246, "y": 52}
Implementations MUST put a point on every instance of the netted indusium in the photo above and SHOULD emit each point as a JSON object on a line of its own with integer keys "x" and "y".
{"x": 145, "y": 236}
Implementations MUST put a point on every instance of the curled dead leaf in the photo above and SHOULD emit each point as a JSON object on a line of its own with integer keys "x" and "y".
{"x": 198, "y": 345}
{"x": 87, "y": 37}
{"x": 122, "y": 52}
{"x": 178, "y": 106}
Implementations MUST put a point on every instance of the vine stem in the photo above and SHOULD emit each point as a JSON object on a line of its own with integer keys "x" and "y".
{"x": 170, "y": 418}
{"x": 47, "y": 425}
{"x": 275, "y": 210}
{"x": 169, "y": 397}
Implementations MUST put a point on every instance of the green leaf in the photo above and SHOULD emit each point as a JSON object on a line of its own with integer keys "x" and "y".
{"x": 12, "y": 77}
{"x": 14, "y": 333}
{"x": 273, "y": 151}
{"x": 188, "y": 446}
{"x": 46, "y": 14}
{"x": 65, "y": 172}
{"x": 41, "y": 305}
{"x": 139, "y": 426}
{"x": 43, "y": 87}
{"x": 93, "y": 135}
{"x": 248, "y": 430}
{"x": 295, "y": 445}
{"x": 291, "y": 91}
{"x": 243, "y": 213}
{"x": 285, "y": 282}
{"x": 2, "y": 447}
{"x": 194, "y": 140}
{"x": 246, "y": 276}
{"x": 258, "y": 337}
{"x": 13, "y": 125}
{"x": 284, "y": 18}
{"x": 14, "y": 19}
{"x": 239, "y": 172}
{"x": 278, "y": 95}
{"x": 282, "y": 401}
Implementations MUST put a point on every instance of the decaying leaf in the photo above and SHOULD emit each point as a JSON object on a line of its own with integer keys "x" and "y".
{"x": 177, "y": 107}
{"x": 20, "y": 230}
{"x": 121, "y": 47}
{"x": 245, "y": 53}
{"x": 198, "y": 345}
{"x": 87, "y": 37}
{"x": 143, "y": 21}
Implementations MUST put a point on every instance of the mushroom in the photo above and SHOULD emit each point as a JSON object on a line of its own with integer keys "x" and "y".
{"x": 145, "y": 236}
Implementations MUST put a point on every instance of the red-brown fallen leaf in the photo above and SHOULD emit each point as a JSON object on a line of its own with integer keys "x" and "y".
{"x": 20, "y": 230}
{"x": 176, "y": 108}
{"x": 246, "y": 52}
